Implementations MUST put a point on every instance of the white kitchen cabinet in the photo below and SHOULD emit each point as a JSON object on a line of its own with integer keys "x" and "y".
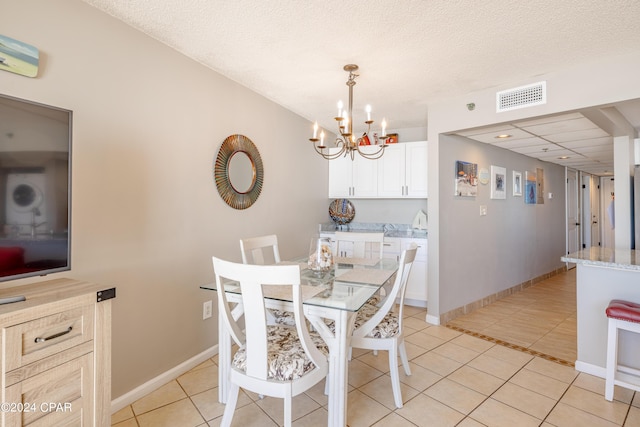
{"x": 357, "y": 178}
{"x": 402, "y": 171}
{"x": 347, "y": 248}
{"x": 416, "y": 293}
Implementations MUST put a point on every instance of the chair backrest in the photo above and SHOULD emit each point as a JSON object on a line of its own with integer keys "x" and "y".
{"x": 359, "y": 245}
{"x": 260, "y": 250}
{"x": 253, "y": 280}
{"x": 397, "y": 291}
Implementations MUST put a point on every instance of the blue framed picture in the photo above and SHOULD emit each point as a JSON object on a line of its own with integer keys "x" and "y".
{"x": 18, "y": 57}
{"x": 530, "y": 188}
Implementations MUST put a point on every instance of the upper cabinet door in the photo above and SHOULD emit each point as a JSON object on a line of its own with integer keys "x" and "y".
{"x": 340, "y": 177}
{"x": 416, "y": 169}
{"x": 365, "y": 175}
{"x": 391, "y": 172}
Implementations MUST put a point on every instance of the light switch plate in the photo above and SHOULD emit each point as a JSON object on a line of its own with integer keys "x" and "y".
{"x": 483, "y": 210}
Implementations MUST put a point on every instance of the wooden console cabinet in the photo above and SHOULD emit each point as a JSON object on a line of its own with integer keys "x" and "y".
{"x": 56, "y": 355}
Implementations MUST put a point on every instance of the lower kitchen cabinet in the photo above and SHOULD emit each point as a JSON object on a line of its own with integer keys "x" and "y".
{"x": 56, "y": 355}
{"x": 416, "y": 293}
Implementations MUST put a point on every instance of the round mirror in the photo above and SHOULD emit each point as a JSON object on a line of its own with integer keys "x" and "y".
{"x": 238, "y": 172}
{"x": 241, "y": 173}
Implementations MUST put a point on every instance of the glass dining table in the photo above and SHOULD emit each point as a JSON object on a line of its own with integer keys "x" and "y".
{"x": 336, "y": 295}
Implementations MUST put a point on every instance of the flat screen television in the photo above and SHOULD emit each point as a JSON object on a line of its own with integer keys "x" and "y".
{"x": 35, "y": 188}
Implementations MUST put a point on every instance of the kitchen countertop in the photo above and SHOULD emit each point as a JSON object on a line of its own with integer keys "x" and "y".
{"x": 626, "y": 259}
{"x": 390, "y": 230}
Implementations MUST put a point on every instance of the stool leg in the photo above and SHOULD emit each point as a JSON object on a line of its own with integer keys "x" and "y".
{"x": 612, "y": 360}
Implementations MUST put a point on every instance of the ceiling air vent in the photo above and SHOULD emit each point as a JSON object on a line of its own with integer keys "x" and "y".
{"x": 520, "y": 97}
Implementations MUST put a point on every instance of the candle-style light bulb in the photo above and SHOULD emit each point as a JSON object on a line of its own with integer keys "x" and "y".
{"x": 315, "y": 130}
{"x": 322, "y": 139}
{"x": 384, "y": 127}
{"x": 340, "y": 106}
{"x": 368, "y": 110}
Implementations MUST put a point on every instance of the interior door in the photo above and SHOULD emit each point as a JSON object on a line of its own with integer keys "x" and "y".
{"x": 585, "y": 208}
{"x": 573, "y": 218}
{"x": 595, "y": 212}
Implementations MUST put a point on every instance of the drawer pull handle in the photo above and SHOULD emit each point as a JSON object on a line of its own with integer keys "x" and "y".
{"x": 59, "y": 334}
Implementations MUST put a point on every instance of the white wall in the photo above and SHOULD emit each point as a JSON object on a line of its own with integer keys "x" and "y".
{"x": 603, "y": 81}
{"x": 146, "y": 215}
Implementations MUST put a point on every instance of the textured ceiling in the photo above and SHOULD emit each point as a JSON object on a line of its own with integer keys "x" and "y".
{"x": 410, "y": 52}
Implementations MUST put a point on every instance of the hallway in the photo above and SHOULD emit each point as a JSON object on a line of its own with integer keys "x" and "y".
{"x": 540, "y": 320}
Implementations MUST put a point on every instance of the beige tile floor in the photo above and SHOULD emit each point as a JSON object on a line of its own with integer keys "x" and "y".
{"x": 457, "y": 380}
{"x": 540, "y": 319}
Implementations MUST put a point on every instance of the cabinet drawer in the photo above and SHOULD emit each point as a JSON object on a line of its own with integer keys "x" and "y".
{"x": 34, "y": 340}
{"x": 391, "y": 246}
{"x": 60, "y": 396}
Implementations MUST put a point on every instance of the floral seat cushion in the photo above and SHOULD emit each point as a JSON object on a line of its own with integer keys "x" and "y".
{"x": 284, "y": 317}
{"x": 387, "y": 328}
{"x": 286, "y": 358}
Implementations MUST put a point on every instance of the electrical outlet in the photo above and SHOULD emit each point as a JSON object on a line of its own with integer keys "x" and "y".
{"x": 483, "y": 210}
{"x": 207, "y": 309}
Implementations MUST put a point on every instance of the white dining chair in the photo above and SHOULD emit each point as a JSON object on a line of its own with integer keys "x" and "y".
{"x": 380, "y": 327}
{"x": 359, "y": 245}
{"x": 283, "y": 361}
{"x": 260, "y": 250}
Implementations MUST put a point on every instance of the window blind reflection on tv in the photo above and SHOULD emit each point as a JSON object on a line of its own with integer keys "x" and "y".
{"x": 35, "y": 171}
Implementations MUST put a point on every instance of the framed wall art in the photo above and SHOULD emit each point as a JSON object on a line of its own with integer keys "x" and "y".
{"x": 530, "y": 188}
{"x": 18, "y": 57}
{"x": 498, "y": 182}
{"x": 517, "y": 183}
{"x": 466, "y": 179}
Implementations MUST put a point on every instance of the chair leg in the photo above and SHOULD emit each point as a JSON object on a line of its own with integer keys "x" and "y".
{"x": 231, "y": 405}
{"x": 612, "y": 361}
{"x": 403, "y": 357}
{"x": 395, "y": 376}
{"x": 287, "y": 410}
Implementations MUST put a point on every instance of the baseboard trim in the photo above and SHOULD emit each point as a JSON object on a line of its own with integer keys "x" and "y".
{"x": 154, "y": 383}
{"x": 588, "y": 368}
{"x": 414, "y": 302}
{"x": 433, "y": 320}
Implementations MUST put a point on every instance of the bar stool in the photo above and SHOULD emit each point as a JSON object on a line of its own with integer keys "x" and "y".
{"x": 623, "y": 315}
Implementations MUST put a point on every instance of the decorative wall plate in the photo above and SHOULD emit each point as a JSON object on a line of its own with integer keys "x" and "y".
{"x": 484, "y": 176}
{"x": 245, "y": 192}
{"x": 342, "y": 211}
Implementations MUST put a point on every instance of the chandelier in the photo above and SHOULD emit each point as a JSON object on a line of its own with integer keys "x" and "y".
{"x": 346, "y": 141}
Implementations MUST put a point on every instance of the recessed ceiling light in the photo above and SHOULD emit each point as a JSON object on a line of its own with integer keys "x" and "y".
{"x": 563, "y": 157}
{"x": 504, "y": 135}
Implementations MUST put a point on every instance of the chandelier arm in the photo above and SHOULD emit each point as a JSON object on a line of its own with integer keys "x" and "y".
{"x": 330, "y": 156}
{"x": 372, "y": 156}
